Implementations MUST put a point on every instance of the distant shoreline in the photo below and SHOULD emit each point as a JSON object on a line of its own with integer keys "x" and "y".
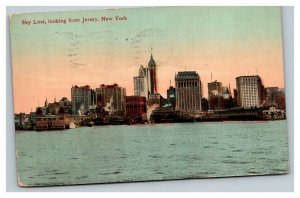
{"x": 155, "y": 124}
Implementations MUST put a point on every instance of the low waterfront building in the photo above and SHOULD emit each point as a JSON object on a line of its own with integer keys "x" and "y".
{"x": 135, "y": 105}
{"x": 50, "y": 121}
{"x": 274, "y": 114}
{"x": 163, "y": 115}
{"x": 188, "y": 92}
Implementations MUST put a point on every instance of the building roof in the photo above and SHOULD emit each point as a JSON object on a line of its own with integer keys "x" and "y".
{"x": 115, "y": 85}
{"x": 142, "y": 71}
{"x": 215, "y": 83}
{"x": 187, "y": 75}
{"x": 251, "y": 76}
{"x": 85, "y": 87}
{"x": 151, "y": 62}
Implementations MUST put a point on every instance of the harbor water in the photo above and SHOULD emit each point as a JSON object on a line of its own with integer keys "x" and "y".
{"x": 106, "y": 154}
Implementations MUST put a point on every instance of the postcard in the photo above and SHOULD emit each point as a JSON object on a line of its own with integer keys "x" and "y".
{"x": 148, "y": 94}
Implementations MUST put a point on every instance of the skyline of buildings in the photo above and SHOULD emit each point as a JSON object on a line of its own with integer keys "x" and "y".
{"x": 185, "y": 96}
{"x": 110, "y": 103}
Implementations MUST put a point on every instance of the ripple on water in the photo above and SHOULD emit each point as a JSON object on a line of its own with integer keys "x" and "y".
{"x": 61, "y": 173}
{"x": 111, "y": 173}
{"x": 237, "y": 150}
{"x": 154, "y": 156}
{"x": 228, "y": 156}
{"x": 235, "y": 162}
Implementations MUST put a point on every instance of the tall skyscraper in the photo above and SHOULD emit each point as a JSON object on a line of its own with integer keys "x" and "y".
{"x": 188, "y": 91}
{"x": 82, "y": 99}
{"x": 145, "y": 84}
{"x": 152, "y": 75}
{"x": 250, "y": 91}
{"x": 141, "y": 83}
{"x": 111, "y": 98}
